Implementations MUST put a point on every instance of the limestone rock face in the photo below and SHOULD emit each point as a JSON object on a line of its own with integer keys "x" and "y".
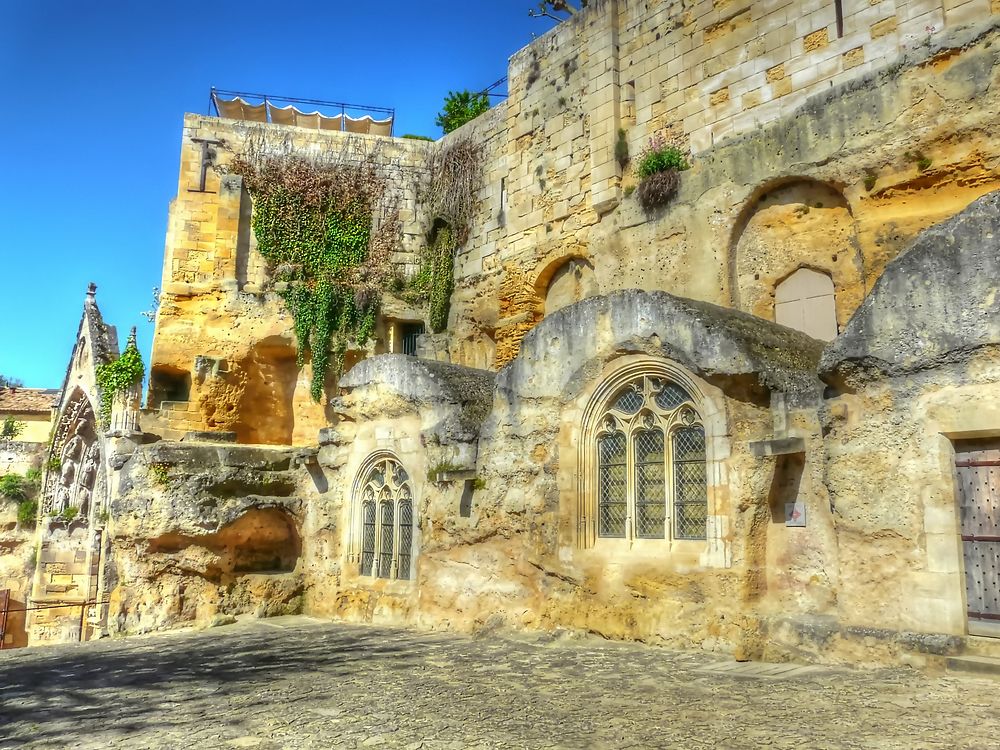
{"x": 205, "y": 529}
{"x": 938, "y": 301}
{"x": 712, "y": 341}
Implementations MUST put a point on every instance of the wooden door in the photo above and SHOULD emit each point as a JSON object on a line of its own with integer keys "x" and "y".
{"x": 977, "y": 466}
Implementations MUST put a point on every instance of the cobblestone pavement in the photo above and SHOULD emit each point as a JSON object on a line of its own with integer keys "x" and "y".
{"x": 301, "y": 683}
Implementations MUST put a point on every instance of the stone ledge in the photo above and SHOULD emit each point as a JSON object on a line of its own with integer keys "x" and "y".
{"x": 778, "y": 447}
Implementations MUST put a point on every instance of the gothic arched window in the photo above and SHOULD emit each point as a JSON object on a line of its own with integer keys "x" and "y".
{"x": 651, "y": 470}
{"x": 386, "y": 520}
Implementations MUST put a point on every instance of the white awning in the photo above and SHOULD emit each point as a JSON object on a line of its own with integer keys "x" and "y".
{"x": 237, "y": 109}
{"x": 240, "y": 109}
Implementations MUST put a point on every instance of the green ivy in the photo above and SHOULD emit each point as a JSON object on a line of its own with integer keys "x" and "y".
{"x": 434, "y": 282}
{"x": 315, "y": 230}
{"x": 118, "y": 376}
{"x": 442, "y": 279}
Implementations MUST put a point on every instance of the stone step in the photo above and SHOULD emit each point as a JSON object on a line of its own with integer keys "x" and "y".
{"x": 981, "y": 666}
{"x": 979, "y": 646}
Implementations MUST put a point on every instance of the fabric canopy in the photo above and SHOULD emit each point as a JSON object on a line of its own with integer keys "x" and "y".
{"x": 239, "y": 109}
{"x": 291, "y": 115}
{"x": 367, "y": 125}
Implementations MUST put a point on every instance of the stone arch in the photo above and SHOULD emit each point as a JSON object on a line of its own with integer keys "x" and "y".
{"x": 396, "y": 506}
{"x": 711, "y": 416}
{"x": 523, "y": 299}
{"x": 75, "y": 478}
{"x": 564, "y": 281}
{"x": 789, "y": 224}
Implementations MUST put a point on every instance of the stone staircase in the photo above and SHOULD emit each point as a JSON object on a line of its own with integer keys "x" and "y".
{"x": 981, "y": 658}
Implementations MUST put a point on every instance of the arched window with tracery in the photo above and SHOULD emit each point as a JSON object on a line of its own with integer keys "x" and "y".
{"x": 651, "y": 464}
{"x": 386, "y": 549}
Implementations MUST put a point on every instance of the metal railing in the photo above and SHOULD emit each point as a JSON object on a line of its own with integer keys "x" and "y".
{"x": 333, "y": 108}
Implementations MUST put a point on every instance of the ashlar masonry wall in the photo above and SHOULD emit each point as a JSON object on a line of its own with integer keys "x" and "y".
{"x": 224, "y": 349}
{"x": 887, "y": 112}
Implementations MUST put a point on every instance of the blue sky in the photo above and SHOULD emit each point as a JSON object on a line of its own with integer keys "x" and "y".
{"x": 94, "y": 96}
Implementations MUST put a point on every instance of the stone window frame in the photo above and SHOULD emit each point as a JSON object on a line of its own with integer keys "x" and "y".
{"x": 582, "y": 426}
{"x": 633, "y": 413}
{"x": 370, "y": 498}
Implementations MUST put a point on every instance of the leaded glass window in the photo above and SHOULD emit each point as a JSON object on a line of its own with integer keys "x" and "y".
{"x": 386, "y": 534}
{"x": 386, "y": 521}
{"x": 405, "y": 538}
{"x": 367, "y": 535}
{"x": 651, "y": 481}
{"x": 690, "y": 508}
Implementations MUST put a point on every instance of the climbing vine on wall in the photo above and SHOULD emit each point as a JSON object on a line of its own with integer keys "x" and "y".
{"x": 442, "y": 265}
{"x": 117, "y": 376}
{"x": 327, "y": 226}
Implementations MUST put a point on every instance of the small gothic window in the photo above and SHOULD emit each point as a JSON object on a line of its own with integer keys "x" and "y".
{"x": 386, "y": 522}
{"x": 652, "y": 479}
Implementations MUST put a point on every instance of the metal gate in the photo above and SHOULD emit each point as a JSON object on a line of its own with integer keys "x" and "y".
{"x": 978, "y": 473}
{"x": 4, "y": 606}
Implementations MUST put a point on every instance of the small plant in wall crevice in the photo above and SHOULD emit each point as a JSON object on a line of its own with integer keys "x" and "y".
{"x": 918, "y": 158}
{"x": 659, "y": 171}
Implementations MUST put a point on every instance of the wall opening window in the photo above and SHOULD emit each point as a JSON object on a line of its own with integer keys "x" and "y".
{"x": 651, "y": 468}
{"x": 408, "y": 333}
{"x": 386, "y": 543}
{"x": 839, "y": 9}
{"x": 168, "y": 384}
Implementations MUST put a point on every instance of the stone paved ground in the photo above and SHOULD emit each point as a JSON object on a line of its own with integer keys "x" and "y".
{"x": 299, "y": 683}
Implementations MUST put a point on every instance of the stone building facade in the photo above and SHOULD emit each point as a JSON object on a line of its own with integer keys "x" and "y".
{"x": 757, "y": 421}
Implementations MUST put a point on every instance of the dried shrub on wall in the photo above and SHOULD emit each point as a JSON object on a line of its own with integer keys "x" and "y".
{"x": 456, "y": 175}
{"x": 456, "y": 178}
{"x": 657, "y": 189}
{"x": 328, "y": 224}
{"x": 659, "y": 171}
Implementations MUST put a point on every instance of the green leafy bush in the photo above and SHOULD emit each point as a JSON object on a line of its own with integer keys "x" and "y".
{"x": 160, "y": 473}
{"x": 442, "y": 467}
{"x": 10, "y": 429}
{"x": 33, "y": 480}
{"x": 69, "y": 513}
{"x": 414, "y": 137}
{"x": 459, "y": 108}
{"x": 660, "y": 157}
{"x": 27, "y": 512}
{"x": 118, "y": 376}
{"x": 12, "y": 487}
